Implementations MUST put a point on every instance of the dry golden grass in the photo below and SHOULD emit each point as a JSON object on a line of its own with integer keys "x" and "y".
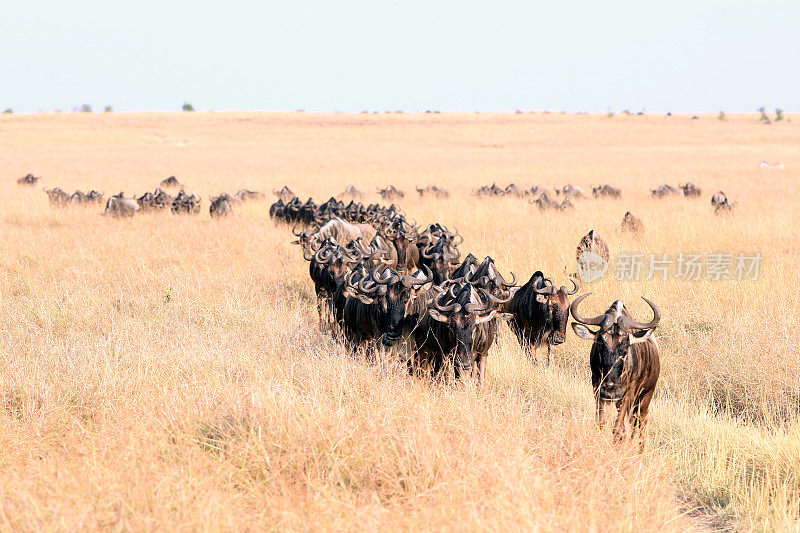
{"x": 168, "y": 372}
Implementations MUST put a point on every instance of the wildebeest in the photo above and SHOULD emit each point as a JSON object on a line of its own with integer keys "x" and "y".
{"x": 544, "y": 203}
{"x": 28, "y": 179}
{"x": 541, "y": 313}
{"x": 624, "y": 362}
{"x": 171, "y": 181}
{"x": 690, "y": 189}
{"x": 606, "y": 191}
{"x": 459, "y": 322}
{"x": 285, "y": 194}
{"x": 57, "y": 197}
{"x": 119, "y": 206}
{"x": 277, "y": 210}
{"x": 664, "y": 190}
{"x": 571, "y": 191}
{"x": 220, "y": 206}
{"x": 721, "y": 204}
{"x": 513, "y": 190}
{"x": 592, "y": 255}
{"x": 441, "y": 257}
{"x": 341, "y": 231}
{"x": 79, "y": 198}
{"x": 391, "y": 193}
{"x": 494, "y": 190}
{"x": 350, "y": 192}
{"x": 328, "y": 267}
{"x": 377, "y": 304}
{"x": 245, "y": 195}
{"x": 403, "y": 236}
{"x": 433, "y": 190}
{"x": 632, "y": 224}
{"x": 186, "y": 203}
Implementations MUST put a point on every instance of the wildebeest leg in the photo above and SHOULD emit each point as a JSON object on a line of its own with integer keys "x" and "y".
{"x": 642, "y": 408}
{"x": 623, "y": 425}
{"x": 481, "y": 368}
{"x": 601, "y": 421}
{"x": 547, "y": 362}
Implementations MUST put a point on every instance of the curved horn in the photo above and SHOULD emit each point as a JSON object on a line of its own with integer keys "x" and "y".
{"x": 649, "y": 325}
{"x": 497, "y": 300}
{"x": 411, "y": 281}
{"x": 295, "y": 233}
{"x": 574, "y": 289}
{"x": 596, "y": 321}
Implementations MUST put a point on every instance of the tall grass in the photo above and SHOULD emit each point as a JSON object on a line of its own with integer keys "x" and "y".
{"x": 165, "y": 372}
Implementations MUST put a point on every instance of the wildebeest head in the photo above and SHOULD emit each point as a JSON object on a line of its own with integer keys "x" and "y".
{"x": 336, "y": 259}
{"x": 466, "y": 268}
{"x": 487, "y": 276}
{"x": 553, "y": 304}
{"x": 441, "y": 257}
{"x": 613, "y": 339}
{"x": 392, "y": 294}
{"x": 464, "y": 307}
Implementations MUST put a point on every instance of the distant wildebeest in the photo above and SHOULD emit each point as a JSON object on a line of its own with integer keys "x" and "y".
{"x": 606, "y": 191}
{"x": 494, "y": 190}
{"x": 57, "y": 197}
{"x": 186, "y": 203}
{"x": 285, "y": 194}
{"x": 513, "y": 190}
{"x": 245, "y": 195}
{"x": 764, "y": 164}
{"x": 391, "y": 193}
{"x": 541, "y": 313}
{"x": 119, "y": 206}
{"x": 691, "y": 190}
{"x": 28, "y": 179}
{"x": 277, "y": 210}
{"x": 351, "y": 193}
{"x": 624, "y": 362}
{"x": 171, "y": 181}
{"x": 79, "y": 198}
{"x": 433, "y": 190}
{"x": 665, "y": 190}
{"x": 632, "y": 224}
{"x": 220, "y": 206}
{"x": 721, "y": 204}
{"x": 571, "y": 191}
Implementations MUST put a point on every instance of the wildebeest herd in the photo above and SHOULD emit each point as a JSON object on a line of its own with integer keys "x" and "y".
{"x": 383, "y": 283}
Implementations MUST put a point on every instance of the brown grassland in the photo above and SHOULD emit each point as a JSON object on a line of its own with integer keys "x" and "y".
{"x": 168, "y": 372}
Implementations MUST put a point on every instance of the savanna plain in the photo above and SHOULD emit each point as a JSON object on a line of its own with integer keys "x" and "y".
{"x": 168, "y": 372}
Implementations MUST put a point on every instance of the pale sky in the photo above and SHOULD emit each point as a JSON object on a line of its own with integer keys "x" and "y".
{"x": 678, "y": 55}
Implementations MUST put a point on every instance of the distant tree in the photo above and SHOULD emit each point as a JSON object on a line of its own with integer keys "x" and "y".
{"x": 626, "y": 112}
{"x": 778, "y": 114}
{"x": 108, "y": 109}
{"x": 610, "y": 114}
{"x": 85, "y": 108}
{"x": 722, "y": 116}
{"x": 187, "y": 106}
{"x": 8, "y": 111}
{"x": 764, "y": 118}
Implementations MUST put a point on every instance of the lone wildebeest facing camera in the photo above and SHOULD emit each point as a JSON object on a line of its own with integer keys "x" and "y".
{"x": 624, "y": 362}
